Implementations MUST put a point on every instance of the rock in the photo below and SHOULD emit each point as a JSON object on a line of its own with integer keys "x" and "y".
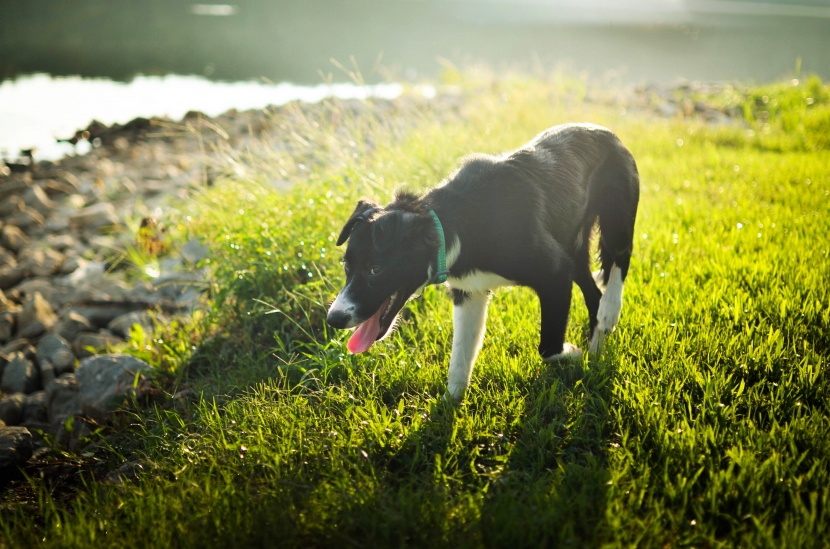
{"x": 40, "y": 262}
{"x": 122, "y": 325}
{"x": 27, "y": 219}
{"x": 73, "y": 434}
{"x": 11, "y": 205}
{"x": 94, "y": 217}
{"x": 107, "y": 382}
{"x": 36, "y": 317}
{"x": 16, "y": 446}
{"x": 10, "y": 275}
{"x": 34, "y": 409}
{"x": 36, "y": 198}
{"x": 194, "y": 251}
{"x": 7, "y": 258}
{"x": 70, "y": 325}
{"x": 11, "y": 409}
{"x": 127, "y": 472}
{"x": 47, "y": 374}
{"x": 93, "y": 340}
{"x": 54, "y": 350}
{"x": 100, "y": 315}
{"x": 62, "y": 398}
{"x": 14, "y": 346}
{"x": 67, "y": 184}
{"x": 12, "y": 186}
{"x": 20, "y": 375}
{"x": 88, "y": 274}
{"x": 13, "y": 238}
{"x": 7, "y": 322}
{"x": 61, "y": 242}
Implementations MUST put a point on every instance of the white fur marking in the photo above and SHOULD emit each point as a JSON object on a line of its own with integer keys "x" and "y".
{"x": 469, "y": 320}
{"x": 478, "y": 281}
{"x": 610, "y": 307}
{"x": 343, "y": 304}
{"x": 569, "y": 351}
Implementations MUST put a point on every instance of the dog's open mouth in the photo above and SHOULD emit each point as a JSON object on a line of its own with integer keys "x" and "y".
{"x": 377, "y": 326}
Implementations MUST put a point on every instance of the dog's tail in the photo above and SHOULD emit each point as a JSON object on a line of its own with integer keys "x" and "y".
{"x": 613, "y": 195}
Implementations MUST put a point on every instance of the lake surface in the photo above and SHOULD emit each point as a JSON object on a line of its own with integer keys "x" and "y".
{"x": 308, "y": 42}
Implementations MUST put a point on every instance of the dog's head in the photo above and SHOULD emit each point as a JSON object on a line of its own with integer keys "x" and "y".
{"x": 387, "y": 261}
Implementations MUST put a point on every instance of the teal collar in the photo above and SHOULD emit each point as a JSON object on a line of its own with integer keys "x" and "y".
{"x": 441, "y": 267}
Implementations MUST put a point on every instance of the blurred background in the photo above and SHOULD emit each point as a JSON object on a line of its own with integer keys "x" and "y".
{"x": 164, "y": 57}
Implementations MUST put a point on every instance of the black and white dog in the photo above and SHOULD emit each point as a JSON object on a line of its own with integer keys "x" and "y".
{"x": 520, "y": 218}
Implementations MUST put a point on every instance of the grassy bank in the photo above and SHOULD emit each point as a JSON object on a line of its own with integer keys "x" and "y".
{"x": 706, "y": 421}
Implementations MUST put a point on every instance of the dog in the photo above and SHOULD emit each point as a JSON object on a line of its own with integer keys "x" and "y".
{"x": 520, "y": 218}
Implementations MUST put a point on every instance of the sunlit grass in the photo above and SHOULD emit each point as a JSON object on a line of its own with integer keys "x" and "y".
{"x": 706, "y": 422}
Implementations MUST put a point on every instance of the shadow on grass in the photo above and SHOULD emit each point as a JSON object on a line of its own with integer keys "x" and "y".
{"x": 552, "y": 491}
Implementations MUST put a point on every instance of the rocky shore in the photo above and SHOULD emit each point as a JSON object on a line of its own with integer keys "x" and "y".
{"x": 68, "y": 292}
{"x": 70, "y": 232}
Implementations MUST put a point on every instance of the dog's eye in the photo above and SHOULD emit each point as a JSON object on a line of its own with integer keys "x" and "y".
{"x": 374, "y": 270}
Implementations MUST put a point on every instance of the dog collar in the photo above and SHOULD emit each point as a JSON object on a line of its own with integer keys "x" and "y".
{"x": 441, "y": 274}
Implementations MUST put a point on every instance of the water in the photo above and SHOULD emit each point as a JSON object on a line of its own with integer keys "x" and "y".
{"x": 370, "y": 41}
{"x": 37, "y": 109}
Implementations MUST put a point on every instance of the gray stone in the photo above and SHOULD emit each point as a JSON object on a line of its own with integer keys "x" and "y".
{"x": 47, "y": 374}
{"x": 95, "y": 341}
{"x": 36, "y": 198}
{"x": 34, "y": 408}
{"x": 107, "y": 382}
{"x": 94, "y": 217}
{"x": 11, "y": 409}
{"x": 55, "y": 294}
{"x": 13, "y": 238}
{"x": 101, "y": 315}
{"x": 40, "y": 261}
{"x": 14, "y": 346}
{"x": 10, "y": 276}
{"x": 11, "y": 205}
{"x": 70, "y": 325}
{"x": 63, "y": 398}
{"x": 61, "y": 242}
{"x": 12, "y": 186}
{"x": 7, "y": 321}
{"x": 121, "y": 325}
{"x": 16, "y": 446}
{"x": 73, "y": 434}
{"x": 36, "y": 317}
{"x": 7, "y": 259}
{"x": 194, "y": 251}
{"x": 20, "y": 375}
{"x": 54, "y": 350}
{"x": 27, "y": 220}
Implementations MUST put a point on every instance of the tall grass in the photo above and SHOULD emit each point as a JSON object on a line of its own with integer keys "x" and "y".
{"x": 706, "y": 421}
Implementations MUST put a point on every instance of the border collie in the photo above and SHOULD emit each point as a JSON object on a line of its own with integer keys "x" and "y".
{"x": 522, "y": 218}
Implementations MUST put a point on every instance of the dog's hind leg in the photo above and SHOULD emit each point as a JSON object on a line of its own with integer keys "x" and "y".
{"x": 586, "y": 282}
{"x": 469, "y": 317}
{"x": 555, "y": 300}
{"x": 617, "y": 213}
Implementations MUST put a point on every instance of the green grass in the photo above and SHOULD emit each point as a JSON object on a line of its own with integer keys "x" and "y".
{"x": 705, "y": 423}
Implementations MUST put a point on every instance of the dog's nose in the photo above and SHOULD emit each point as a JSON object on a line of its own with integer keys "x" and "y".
{"x": 338, "y": 319}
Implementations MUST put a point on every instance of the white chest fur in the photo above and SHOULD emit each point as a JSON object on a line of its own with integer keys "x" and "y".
{"x": 478, "y": 281}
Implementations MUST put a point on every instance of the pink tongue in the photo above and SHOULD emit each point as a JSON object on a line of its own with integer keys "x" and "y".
{"x": 366, "y": 334}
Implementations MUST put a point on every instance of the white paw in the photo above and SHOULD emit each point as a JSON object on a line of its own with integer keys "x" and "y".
{"x": 569, "y": 352}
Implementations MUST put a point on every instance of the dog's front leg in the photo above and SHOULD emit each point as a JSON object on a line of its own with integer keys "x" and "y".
{"x": 469, "y": 316}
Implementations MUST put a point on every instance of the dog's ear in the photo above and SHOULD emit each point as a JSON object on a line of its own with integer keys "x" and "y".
{"x": 364, "y": 209}
{"x": 393, "y": 228}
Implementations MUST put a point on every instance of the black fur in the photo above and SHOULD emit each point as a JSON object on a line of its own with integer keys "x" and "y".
{"x": 526, "y": 216}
